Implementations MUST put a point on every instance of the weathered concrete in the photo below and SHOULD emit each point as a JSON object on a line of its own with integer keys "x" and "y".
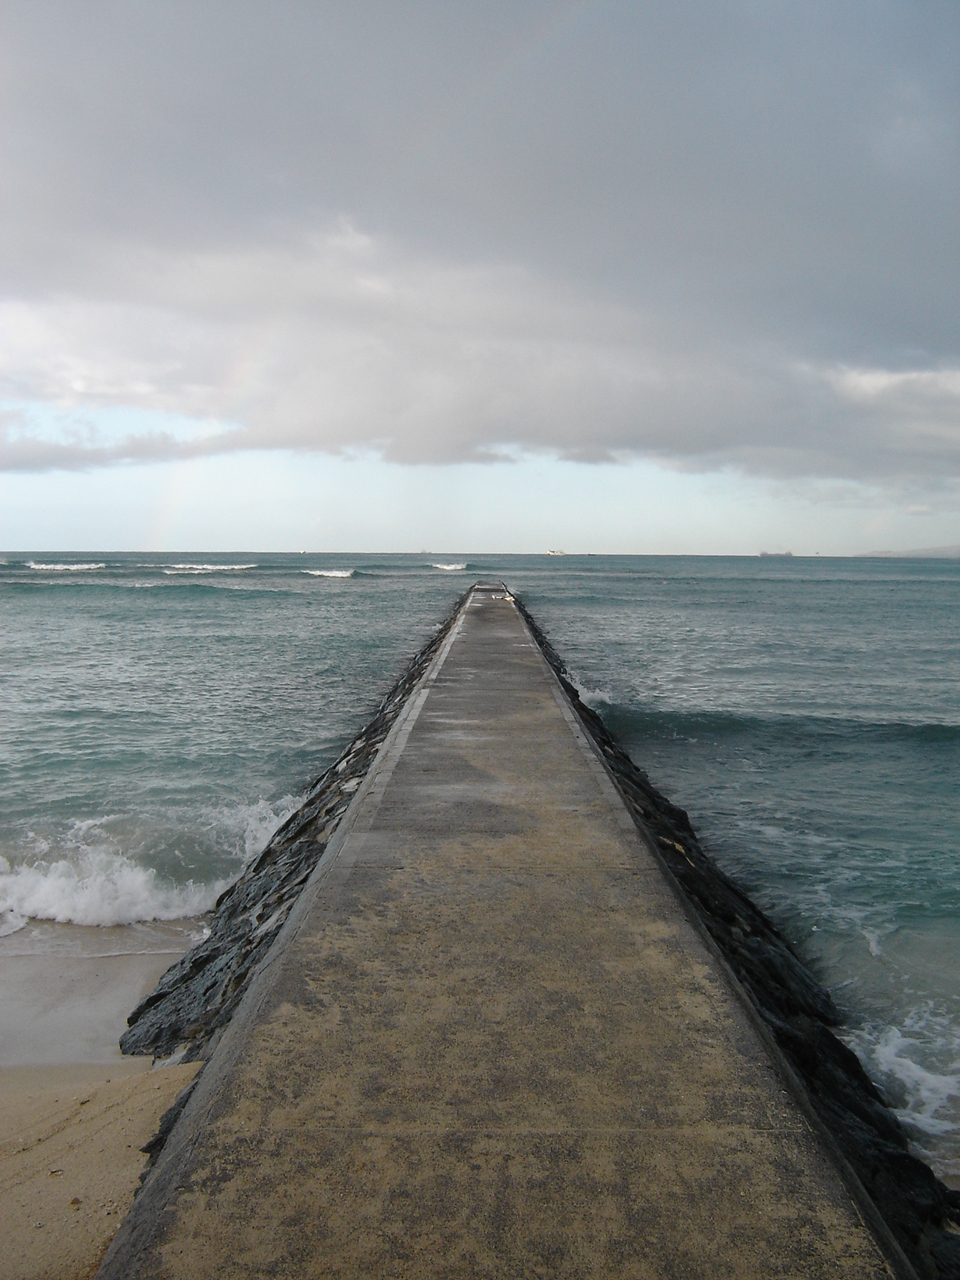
{"x": 489, "y": 1041}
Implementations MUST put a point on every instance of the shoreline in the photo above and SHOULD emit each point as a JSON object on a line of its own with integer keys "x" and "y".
{"x": 186, "y": 1013}
{"x": 493, "y": 938}
{"x": 74, "y": 1113}
{"x": 67, "y": 989}
{"x": 793, "y": 1011}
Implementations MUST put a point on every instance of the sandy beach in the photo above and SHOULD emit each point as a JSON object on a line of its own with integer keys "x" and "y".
{"x": 73, "y": 1112}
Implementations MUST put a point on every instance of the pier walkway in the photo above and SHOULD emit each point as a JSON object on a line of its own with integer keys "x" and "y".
{"x": 489, "y": 1041}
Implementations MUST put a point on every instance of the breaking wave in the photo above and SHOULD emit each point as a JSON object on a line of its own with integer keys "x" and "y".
{"x": 98, "y": 888}
{"x": 206, "y": 568}
{"x": 89, "y": 880}
{"x": 65, "y": 568}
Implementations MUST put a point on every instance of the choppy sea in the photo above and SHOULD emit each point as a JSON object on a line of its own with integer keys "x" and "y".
{"x": 160, "y": 716}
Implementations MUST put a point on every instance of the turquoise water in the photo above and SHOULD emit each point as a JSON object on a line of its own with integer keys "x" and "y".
{"x": 162, "y": 714}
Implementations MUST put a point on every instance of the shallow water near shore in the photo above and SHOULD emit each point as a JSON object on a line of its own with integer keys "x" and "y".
{"x": 163, "y": 714}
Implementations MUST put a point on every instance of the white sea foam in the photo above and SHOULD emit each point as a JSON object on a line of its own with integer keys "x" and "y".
{"x": 253, "y": 824}
{"x": 329, "y": 573}
{"x": 96, "y": 888}
{"x": 10, "y": 919}
{"x": 206, "y": 568}
{"x": 65, "y": 568}
{"x": 918, "y": 1064}
{"x": 10, "y": 922}
{"x": 85, "y": 878}
{"x": 594, "y": 697}
{"x": 450, "y": 568}
{"x": 873, "y": 941}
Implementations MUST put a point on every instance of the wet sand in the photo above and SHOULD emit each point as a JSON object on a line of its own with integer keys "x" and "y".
{"x": 70, "y": 1159}
{"x": 73, "y": 1112}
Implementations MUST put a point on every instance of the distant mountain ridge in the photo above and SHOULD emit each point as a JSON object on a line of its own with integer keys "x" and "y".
{"x": 928, "y": 553}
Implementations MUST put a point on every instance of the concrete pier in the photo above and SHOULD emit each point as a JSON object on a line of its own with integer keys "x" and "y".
{"x": 489, "y": 1041}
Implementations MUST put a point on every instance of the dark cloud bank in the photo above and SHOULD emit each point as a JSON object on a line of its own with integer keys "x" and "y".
{"x": 715, "y": 234}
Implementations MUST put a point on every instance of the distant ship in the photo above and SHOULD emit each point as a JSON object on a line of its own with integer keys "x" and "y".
{"x": 556, "y": 553}
{"x": 781, "y": 555}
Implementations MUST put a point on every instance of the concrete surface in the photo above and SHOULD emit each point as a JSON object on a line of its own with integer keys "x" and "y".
{"x": 489, "y": 1041}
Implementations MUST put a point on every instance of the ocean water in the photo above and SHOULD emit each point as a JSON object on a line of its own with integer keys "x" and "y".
{"x": 161, "y": 715}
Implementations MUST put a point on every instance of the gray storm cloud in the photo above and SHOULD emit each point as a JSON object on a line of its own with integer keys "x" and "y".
{"x": 719, "y": 235}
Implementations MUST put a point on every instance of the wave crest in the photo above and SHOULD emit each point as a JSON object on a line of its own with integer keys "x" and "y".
{"x": 86, "y": 567}
{"x": 206, "y": 568}
{"x": 330, "y": 573}
{"x": 98, "y": 888}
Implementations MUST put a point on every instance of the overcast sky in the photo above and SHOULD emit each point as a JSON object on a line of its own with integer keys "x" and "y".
{"x": 479, "y": 276}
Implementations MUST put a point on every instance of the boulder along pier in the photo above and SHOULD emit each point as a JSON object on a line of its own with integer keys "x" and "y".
{"x": 484, "y": 1007}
